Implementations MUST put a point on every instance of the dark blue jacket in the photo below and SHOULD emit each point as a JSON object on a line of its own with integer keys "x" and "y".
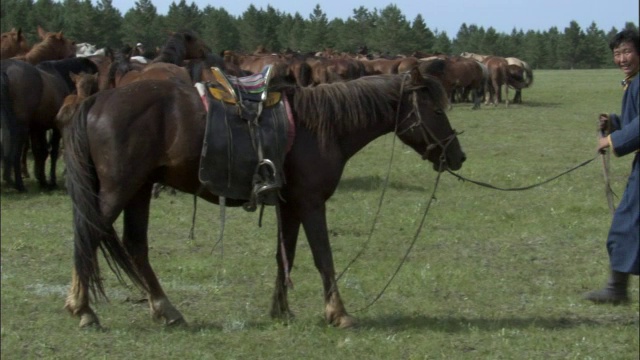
{"x": 623, "y": 242}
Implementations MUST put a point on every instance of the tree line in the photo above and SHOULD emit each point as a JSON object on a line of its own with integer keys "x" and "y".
{"x": 385, "y": 31}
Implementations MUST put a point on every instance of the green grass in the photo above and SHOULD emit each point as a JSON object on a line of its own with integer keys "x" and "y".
{"x": 492, "y": 275}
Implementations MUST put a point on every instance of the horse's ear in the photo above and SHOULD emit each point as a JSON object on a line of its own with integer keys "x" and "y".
{"x": 416, "y": 76}
{"x": 41, "y": 32}
{"x": 59, "y": 34}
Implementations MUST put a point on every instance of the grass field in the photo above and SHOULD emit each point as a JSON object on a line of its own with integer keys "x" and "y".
{"x": 492, "y": 275}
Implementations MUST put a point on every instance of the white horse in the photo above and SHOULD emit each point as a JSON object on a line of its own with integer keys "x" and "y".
{"x": 85, "y": 49}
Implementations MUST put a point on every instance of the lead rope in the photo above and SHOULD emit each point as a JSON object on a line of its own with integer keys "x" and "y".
{"x": 604, "y": 155}
{"x": 384, "y": 188}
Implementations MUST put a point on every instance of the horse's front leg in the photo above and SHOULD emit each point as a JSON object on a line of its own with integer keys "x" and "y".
{"x": 290, "y": 229}
{"x": 315, "y": 227}
{"x": 134, "y": 238}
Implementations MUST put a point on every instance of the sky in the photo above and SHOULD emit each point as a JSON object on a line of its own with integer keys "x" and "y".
{"x": 448, "y": 15}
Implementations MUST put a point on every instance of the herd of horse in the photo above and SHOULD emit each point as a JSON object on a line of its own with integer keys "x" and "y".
{"x": 127, "y": 125}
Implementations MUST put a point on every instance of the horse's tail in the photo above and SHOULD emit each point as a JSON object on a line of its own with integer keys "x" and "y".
{"x": 91, "y": 229}
{"x": 529, "y": 72}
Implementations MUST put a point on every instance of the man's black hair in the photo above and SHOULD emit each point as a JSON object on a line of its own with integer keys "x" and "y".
{"x": 624, "y": 36}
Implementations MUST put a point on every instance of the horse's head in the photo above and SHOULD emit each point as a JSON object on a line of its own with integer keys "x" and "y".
{"x": 56, "y": 44}
{"x": 424, "y": 125}
{"x": 13, "y": 43}
{"x": 195, "y": 47}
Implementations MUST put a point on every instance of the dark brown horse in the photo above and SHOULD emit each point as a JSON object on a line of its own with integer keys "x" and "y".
{"x": 123, "y": 140}
{"x": 29, "y": 101}
{"x": 457, "y": 74}
{"x": 180, "y": 46}
{"x": 13, "y": 43}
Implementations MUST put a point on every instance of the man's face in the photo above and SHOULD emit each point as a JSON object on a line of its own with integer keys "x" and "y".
{"x": 626, "y": 57}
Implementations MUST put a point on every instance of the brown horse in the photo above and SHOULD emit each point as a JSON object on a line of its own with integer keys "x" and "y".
{"x": 29, "y": 101}
{"x": 53, "y": 46}
{"x": 13, "y": 43}
{"x": 498, "y": 76}
{"x": 158, "y": 134}
{"x": 168, "y": 64}
{"x": 520, "y": 77}
{"x": 85, "y": 85}
{"x": 457, "y": 74}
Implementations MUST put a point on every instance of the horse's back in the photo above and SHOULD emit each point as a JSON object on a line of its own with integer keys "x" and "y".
{"x": 24, "y": 86}
{"x": 156, "y": 120}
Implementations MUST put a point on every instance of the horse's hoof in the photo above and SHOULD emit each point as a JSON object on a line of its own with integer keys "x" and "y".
{"x": 178, "y": 322}
{"x": 89, "y": 321}
{"x": 345, "y": 322}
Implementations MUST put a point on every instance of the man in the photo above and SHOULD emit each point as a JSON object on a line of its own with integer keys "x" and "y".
{"x": 624, "y": 138}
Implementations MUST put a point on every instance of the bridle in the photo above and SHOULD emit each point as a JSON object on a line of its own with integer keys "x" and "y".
{"x": 425, "y": 131}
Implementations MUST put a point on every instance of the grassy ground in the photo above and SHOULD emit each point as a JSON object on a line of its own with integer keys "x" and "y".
{"x": 492, "y": 275}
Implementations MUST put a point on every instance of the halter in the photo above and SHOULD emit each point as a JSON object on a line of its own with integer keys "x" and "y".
{"x": 425, "y": 130}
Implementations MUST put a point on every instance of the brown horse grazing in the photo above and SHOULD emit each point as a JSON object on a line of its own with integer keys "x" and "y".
{"x": 30, "y": 98}
{"x": 520, "y": 77}
{"x": 13, "y": 43}
{"x": 158, "y": 135}
{"x": 498, "y": 76}
{"x": 457, "y": 74}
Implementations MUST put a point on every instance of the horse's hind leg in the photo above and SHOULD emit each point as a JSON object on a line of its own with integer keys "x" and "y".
{"x": 77, "y": 302}
{"x": 54, "y": 144}
{"x": 40, "y": 153}
{"x": 23, "y": 160}
{"x": 136, "y": 223}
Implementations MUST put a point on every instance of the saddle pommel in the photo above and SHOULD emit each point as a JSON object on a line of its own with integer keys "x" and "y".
{"x": 233, "y": 90}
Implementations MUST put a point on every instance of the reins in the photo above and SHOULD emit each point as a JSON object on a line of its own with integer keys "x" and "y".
{"x": 521, "y": 188}
{"x": 424, "y": 131}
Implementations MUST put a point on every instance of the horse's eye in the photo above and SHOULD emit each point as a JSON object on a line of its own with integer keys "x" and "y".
{"x": 439, "y": 111}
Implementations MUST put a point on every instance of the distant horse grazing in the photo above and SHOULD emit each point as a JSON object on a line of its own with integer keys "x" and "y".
{"x": 158, "y": 135}
{"x": 13, "y": 43}
{"x": 498, "y": 76}
{"x": 30, "y": 99}
{"x": 457, "y": 74}
{"x": 521, "y": 76}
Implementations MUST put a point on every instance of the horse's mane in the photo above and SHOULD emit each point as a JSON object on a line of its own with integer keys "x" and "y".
{"x": 174, "y": 50}
{"x": 196, "y": 66}
{"x": 335, "y": 108}
{"x": 120, "y": 64}
{"x": 43, "y": 46}
{"x": 65, "y": 66}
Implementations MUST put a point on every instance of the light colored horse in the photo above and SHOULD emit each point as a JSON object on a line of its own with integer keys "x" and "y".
{"x": 528, "y": 77}
{"x": 474, "y": 56}
{"x": 85, "y": 49}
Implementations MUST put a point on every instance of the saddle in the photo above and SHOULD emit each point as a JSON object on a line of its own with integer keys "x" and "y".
{"x": 245, "y": 139}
